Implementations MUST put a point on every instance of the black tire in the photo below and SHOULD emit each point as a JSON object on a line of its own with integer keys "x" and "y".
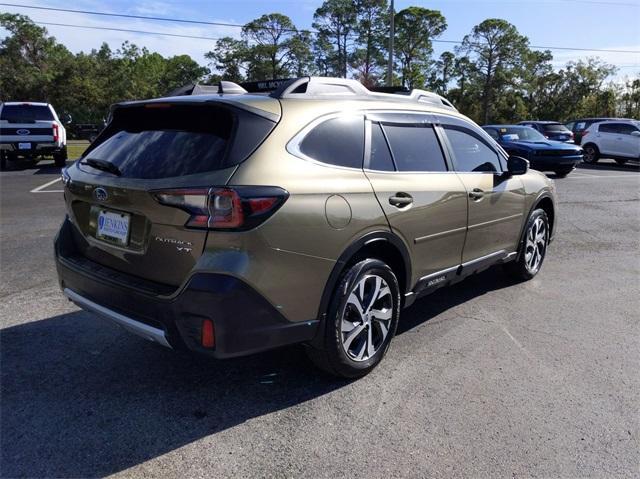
{"x": 622, "y": 162}
{"x": 334, "y": 355}
{"x": 591, "y": 154}
{"x": 563, "y": 172}
{"x": 60, "y": 159}
{"x": 522, "y": 268}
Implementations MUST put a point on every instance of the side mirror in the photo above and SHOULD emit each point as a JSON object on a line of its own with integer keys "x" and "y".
{"x": 66, "y": 119}
{"x": 517, "y": 165}
{"x": 635, "y": 133}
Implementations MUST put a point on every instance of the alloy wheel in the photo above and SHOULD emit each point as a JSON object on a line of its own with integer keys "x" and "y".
{"x": 366, "y": 318}
{"x": 589, "y": 154}
{"x": 536, "y": 245}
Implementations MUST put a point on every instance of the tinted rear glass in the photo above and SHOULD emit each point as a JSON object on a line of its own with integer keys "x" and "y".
{"x": 26, "y": 113}
{"x": 338, "y": 141}
{"x": 151, "y": 143}
{"x": 555, "y": 128}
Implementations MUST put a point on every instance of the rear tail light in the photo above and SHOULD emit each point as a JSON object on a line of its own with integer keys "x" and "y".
{"x": 239, "y": 208}
{"x": 55, "y": 133}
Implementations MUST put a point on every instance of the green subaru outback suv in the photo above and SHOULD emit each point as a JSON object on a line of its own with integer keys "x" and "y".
{"x": 233, "y": 223}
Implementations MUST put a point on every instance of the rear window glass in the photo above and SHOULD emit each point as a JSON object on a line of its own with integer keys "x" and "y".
{"x": 26, "y": 113}
{"x": 164, "y": 142}
{"x": 555, "y": 128}
{"x": 338, "y": 141}
{"x": 415, "y": 148}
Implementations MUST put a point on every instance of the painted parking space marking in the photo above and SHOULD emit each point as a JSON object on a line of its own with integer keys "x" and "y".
{"x": 41, "y": 188}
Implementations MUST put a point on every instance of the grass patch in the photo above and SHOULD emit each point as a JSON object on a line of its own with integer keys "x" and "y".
{"x": 76, "y": 148}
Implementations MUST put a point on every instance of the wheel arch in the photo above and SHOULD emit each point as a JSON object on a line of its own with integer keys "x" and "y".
{"x": 381, "y": 245}
{"x": 544, "y": 202}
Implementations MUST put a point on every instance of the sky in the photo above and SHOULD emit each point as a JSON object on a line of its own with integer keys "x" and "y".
{"x": 599, "y": 24}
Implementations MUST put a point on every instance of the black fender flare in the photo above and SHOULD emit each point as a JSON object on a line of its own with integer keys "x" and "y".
{"x": 534, "y": 206}
{"x": 346, "y": 257}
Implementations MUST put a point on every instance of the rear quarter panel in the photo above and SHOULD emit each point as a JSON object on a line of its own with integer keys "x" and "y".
{"x": 289, "y": 258}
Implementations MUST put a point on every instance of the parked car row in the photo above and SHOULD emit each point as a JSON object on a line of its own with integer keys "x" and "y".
{"x": 557, "y": 147}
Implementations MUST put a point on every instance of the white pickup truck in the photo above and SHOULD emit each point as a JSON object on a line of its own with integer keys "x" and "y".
{"x": 30, "y": 130}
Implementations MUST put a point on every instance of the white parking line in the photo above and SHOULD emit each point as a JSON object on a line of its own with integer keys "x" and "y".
{"x": 42, "y": 187}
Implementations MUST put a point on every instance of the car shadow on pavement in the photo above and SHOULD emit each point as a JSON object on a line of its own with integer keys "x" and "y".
{"x": 82, "y": 398}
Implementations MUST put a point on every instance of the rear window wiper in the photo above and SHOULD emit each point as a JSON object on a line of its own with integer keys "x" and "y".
{"x": 103, "y": 165}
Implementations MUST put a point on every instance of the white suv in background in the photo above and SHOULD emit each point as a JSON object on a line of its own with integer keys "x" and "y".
{"x": 619, "y": 140}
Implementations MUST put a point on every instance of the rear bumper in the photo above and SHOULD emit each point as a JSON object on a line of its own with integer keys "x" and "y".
{"x": 144, "y": 330}
{"x": 37, "y": 148}
{"x": 244, "y": 321}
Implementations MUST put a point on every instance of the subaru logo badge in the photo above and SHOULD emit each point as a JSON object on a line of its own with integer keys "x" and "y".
{"x": 100, "y": 194}
{"x": 22, "y": 131}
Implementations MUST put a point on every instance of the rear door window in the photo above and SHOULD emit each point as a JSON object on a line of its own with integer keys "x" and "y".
{"x": 415, "y": 147}
{"x": 338, "y": 141}
{"x": 26, "y": 113}
{"x": 164, "y": 141}
{"x": 608, "y": 128}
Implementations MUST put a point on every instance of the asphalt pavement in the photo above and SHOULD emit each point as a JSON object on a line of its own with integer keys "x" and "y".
{"x": 489, "y": 378}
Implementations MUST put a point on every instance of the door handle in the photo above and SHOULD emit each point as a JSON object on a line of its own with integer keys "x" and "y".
{"x": 401, "y": 200}
{"x": 476, "y": 194}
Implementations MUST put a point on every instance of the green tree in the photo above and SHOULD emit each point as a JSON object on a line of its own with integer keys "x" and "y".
{"x": 335, "y": 21}
{"x": 32, "y": 63}
{"x": 415, "y": 29}
{"x": 181, "y": 70}
{"x": 271, "y": 40}
{"x": 444, "y": 72}
{"x": 301, "y": 60}
{"x": 496, "y": 49}
{"x": 629, "y": 103}
{"x": 368, "y": 57}
{"x": 228, "y": 59}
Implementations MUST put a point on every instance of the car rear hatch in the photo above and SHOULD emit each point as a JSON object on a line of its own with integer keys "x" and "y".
{"x": 132, "y": 195}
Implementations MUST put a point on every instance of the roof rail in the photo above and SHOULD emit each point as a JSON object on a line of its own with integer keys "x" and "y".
{"x": 322, "y": 87}
{"x": 222, "y": 88}
{"x": 317, "y": 88}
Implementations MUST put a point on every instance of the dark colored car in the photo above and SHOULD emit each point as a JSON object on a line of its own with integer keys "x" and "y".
{"x": 543, "y": 154}
{"x": 578, "y": 126}
{"x": 551, "y": 130}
